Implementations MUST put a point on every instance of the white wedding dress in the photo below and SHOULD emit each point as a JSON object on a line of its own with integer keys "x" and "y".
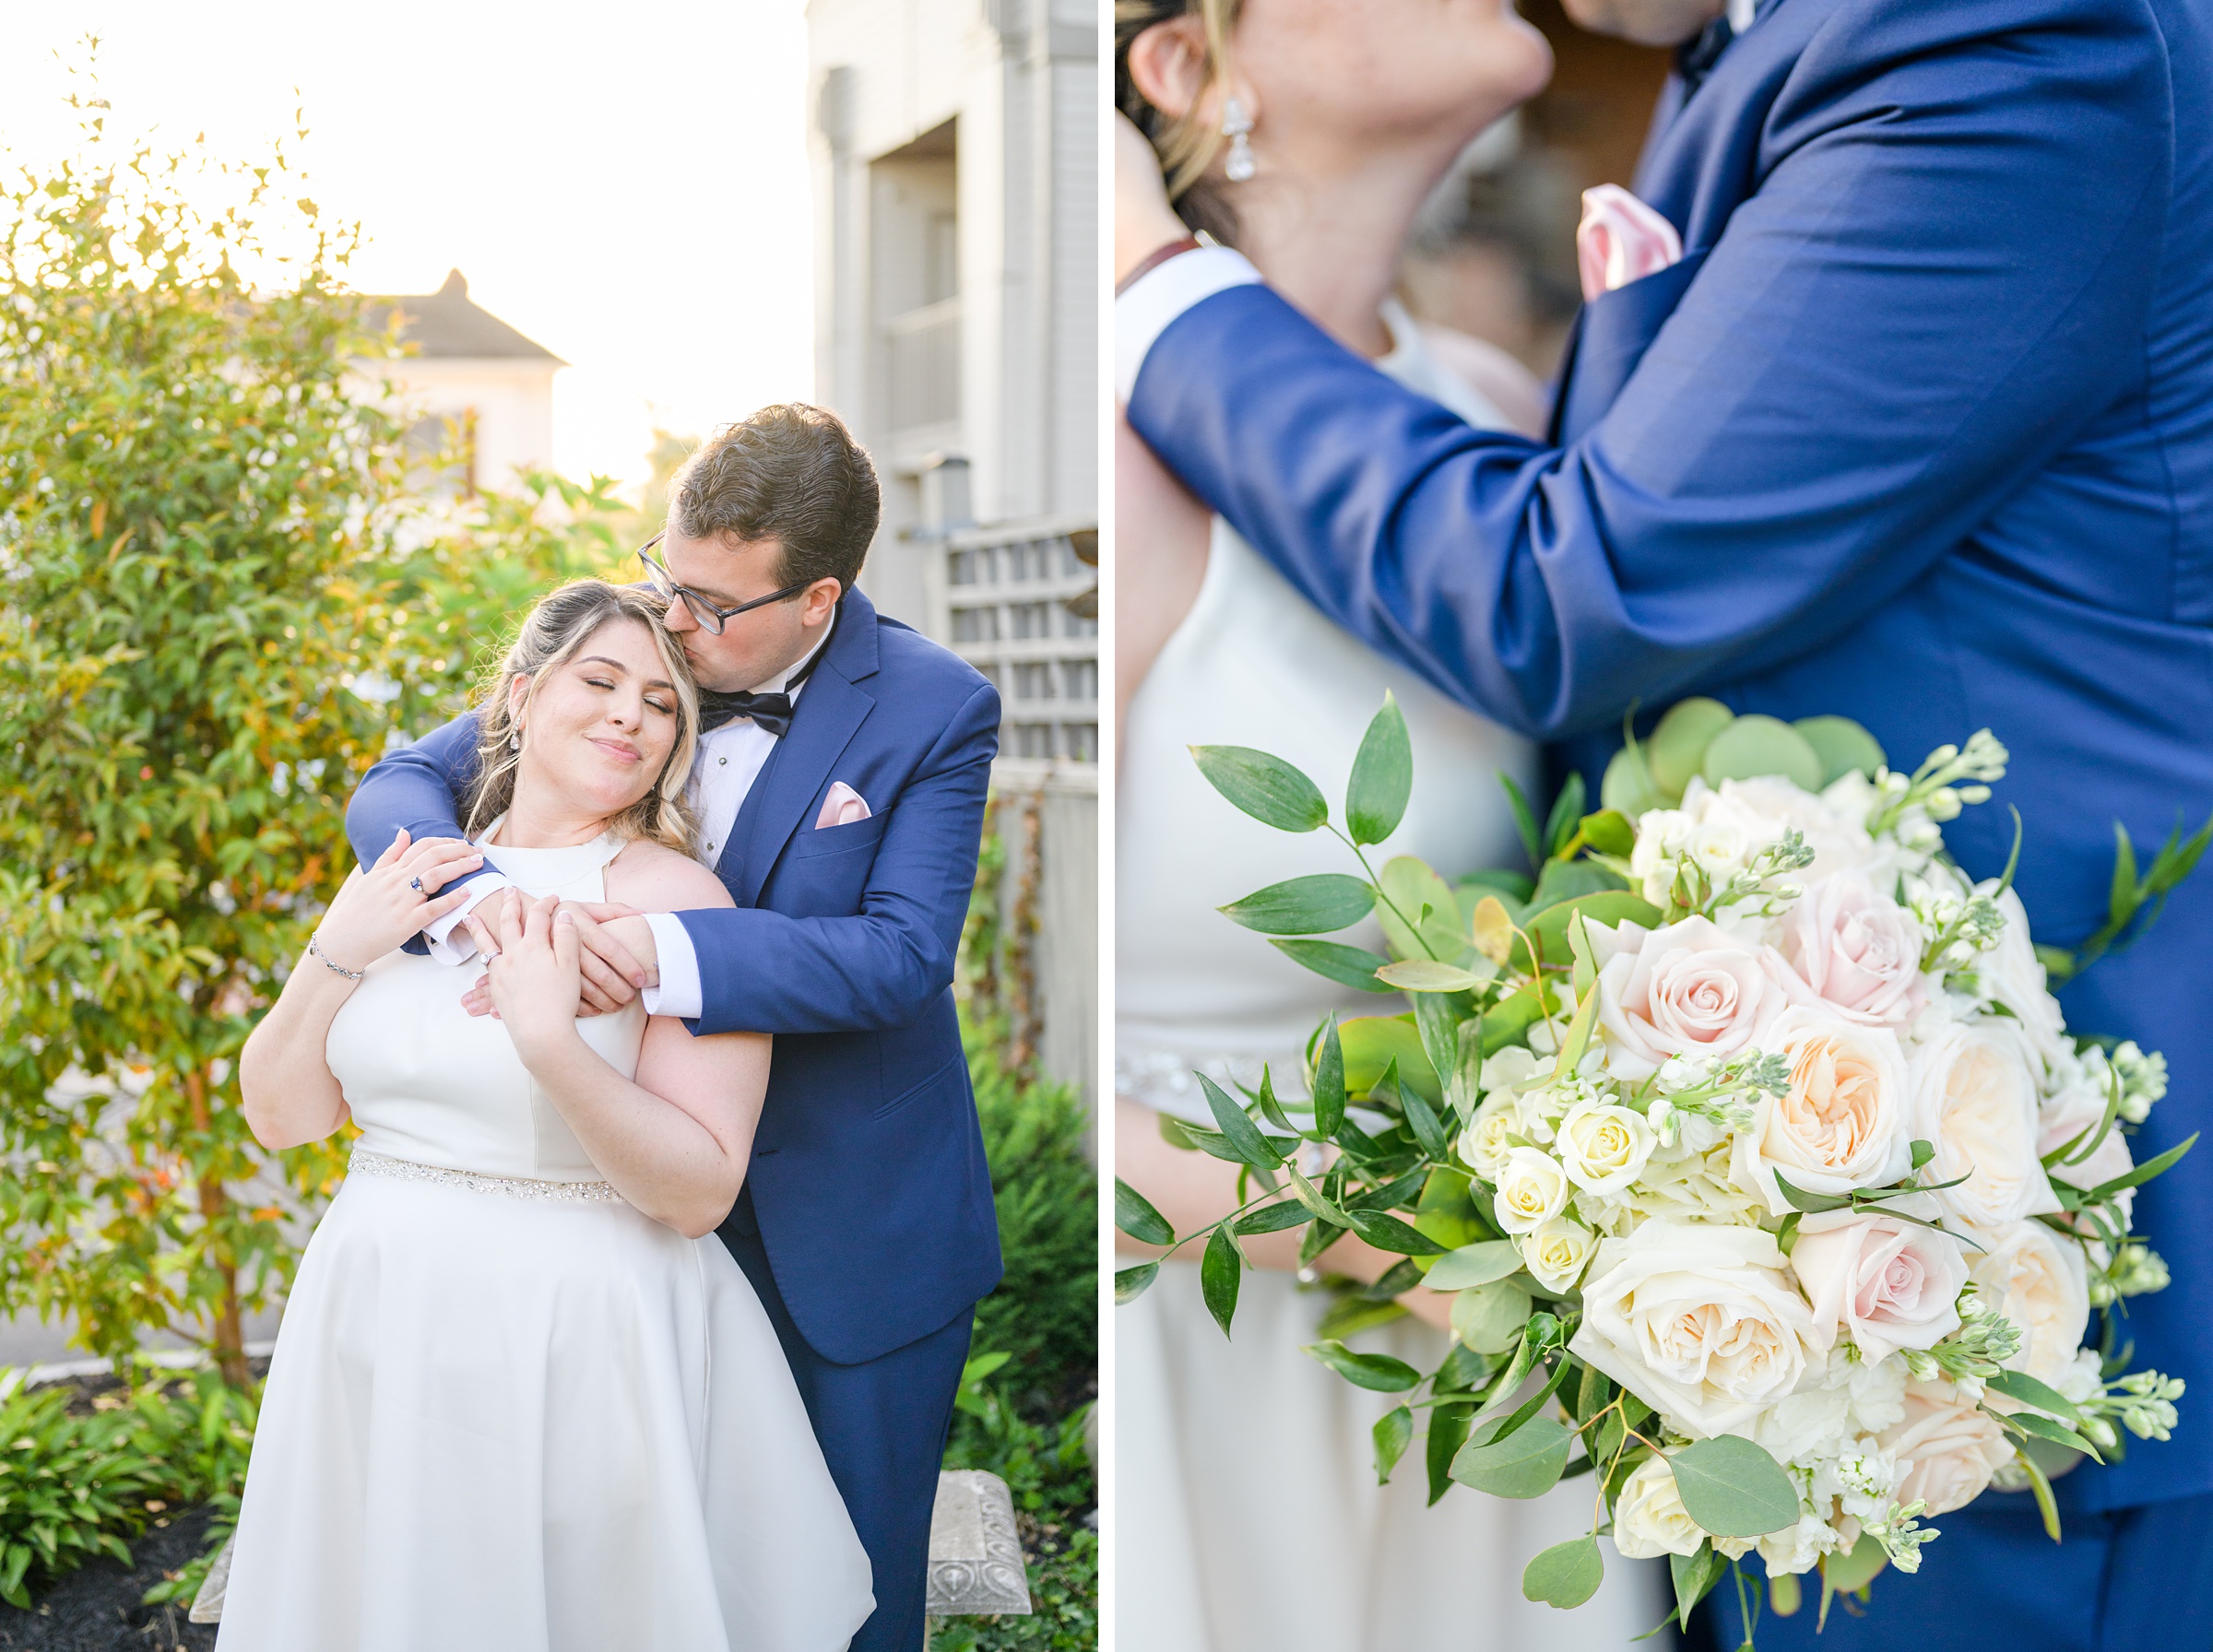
{"x": 508, "y": 1413}
{"x": 1247, "y": 1515}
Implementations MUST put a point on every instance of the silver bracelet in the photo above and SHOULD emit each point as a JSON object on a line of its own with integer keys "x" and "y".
{"x": 315, "y": 946}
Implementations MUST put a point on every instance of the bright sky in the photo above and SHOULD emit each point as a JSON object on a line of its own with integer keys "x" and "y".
{"x": 628, "y": 188}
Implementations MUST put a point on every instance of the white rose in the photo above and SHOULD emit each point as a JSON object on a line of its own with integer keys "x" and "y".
{"x": 1603, "y": 1147}
{"x": 1690, "y": 988}
{"x": 1857, "y": 950}
{"x": 1702, "y": 1323}
{"x": 2073, "y": 1114}
{"x": 2037, "y": 1280}
{"x": 2012, "y": 976}
{"x": 1557, "y": 1251}
{"x": 1532, "y": 1190}
{"x": 1687, "y": 1184}
{"x": 1946, "y": 1449}
{"x": 1649, "y": 1517}
{"x": 1975, "y": 1104}
{"x": 1885, "y": 1282}
{"x": 1483, "y": 1143}
{"x": 1843, "y": 1122}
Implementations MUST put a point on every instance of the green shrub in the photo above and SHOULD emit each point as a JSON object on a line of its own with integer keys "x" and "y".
{"x": 1045, "y": 1313}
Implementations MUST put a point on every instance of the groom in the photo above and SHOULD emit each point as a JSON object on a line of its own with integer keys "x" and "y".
{"x": 841, "y": 793}
{"x": 1917, "y": 431}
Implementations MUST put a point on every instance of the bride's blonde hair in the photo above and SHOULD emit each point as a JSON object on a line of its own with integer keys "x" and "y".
{"x": 1185, "y": 144}
{"x": 549, "y": 637}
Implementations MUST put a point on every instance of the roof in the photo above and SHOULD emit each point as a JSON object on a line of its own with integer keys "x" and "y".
{"x": 447, "y": 324}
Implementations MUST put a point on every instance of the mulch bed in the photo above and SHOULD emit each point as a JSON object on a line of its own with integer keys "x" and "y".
{"x": 97, "y": 1607}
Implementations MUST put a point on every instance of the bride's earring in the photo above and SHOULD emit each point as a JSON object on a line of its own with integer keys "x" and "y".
{"x": 1237, "y": 126}
{"x": 514, "y": 739}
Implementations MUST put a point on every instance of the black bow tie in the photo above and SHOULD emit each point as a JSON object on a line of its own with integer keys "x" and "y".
{"x": 769, "y": 713}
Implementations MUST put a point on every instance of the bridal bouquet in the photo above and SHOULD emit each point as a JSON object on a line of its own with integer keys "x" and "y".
{"x": 1770, "y": 1191}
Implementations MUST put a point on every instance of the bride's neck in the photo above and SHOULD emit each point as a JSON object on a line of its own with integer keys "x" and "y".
{"x": 538, "y": 818}
{"x": 1328, "y": 238}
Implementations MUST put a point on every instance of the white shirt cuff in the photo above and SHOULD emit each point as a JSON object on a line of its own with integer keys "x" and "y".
{"x": 450, "y": 943}
{"x": 1163, "y": 293}
{"x": 678, "y": 993}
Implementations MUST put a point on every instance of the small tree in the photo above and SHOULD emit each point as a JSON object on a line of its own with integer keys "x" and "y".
{"x": 215, "y": 610}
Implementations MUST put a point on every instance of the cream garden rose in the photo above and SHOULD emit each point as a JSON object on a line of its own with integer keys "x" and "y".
{"x": 1857, "y": 951}
{"x": 2038, "y": 1280}
{"x": 1649, "y": 1517}
{"x": 1603, "y": 1148}
{"x": 1884, "y": 1282}
{"x": 1702, "y": 1323}
{"x": 1843, "y": 1122}
{"x": 1975, "y": 1102}
{"x": 1690, "y": 988}
{"x": 1532, "y": 1190}
{"x": 1485, "y": 1144}
{"x": 1946, "y": 1448}
{"x": 1557, "y": 1251}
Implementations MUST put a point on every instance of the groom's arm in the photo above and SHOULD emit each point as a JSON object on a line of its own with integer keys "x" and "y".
{"x": 1944, "y": 275}
{"x": 415, "y": 789}
{"x": 766, "y": 972}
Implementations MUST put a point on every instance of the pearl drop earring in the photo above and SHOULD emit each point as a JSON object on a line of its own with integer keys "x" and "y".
{"x": 1237, "y": 126}
{"x": 514, "y": 740}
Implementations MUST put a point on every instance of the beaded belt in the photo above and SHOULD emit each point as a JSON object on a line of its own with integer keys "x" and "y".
{"x": 365, "y": 1162}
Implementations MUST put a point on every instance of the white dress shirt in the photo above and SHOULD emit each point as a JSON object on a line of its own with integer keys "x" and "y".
{"x": 728, "y": 761}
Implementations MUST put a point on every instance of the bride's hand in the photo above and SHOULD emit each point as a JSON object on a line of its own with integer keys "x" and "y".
{"x": 386, "y": 903}
{"x": 1143, "y": 221}
{"x": 535, "y": 976}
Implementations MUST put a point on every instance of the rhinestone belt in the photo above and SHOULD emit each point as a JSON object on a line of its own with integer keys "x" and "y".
{"x": 365, "y": 1162}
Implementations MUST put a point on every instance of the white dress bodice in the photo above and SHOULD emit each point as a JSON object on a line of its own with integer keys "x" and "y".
{"x": 1255, "y": 663}
{"x": 428, "y": 1082}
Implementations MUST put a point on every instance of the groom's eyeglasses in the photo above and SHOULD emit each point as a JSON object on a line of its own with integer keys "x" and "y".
{"x": 710, "y": 618}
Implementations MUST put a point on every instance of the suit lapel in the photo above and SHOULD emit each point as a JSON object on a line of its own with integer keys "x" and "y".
{"x": 831, "y": 708}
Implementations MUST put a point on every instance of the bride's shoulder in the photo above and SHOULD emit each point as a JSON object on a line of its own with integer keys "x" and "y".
{"x": 654, "y": 878}
{"x": 1493, "y": 374}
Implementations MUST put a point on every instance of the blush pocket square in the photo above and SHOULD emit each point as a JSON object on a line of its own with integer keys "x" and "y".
{"x": 843, "y": 806}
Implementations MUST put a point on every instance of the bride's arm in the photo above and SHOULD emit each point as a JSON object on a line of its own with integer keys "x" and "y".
{"x": 283, "y": 1074}
{"x": 674, "y": 1140}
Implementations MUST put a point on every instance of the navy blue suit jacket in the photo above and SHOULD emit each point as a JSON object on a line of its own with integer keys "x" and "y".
{"x": 868, "y": 1181}
{"x": 1919, "y": 432}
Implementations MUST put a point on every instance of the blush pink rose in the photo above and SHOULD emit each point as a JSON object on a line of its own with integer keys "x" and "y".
{"x": 1621, "y": 240}
{"x": 1691, "y": 988}
{"x": 1887, "y": 1285}
{"x": 1946, "y": 1449}
{"x": 1858, "y": 951}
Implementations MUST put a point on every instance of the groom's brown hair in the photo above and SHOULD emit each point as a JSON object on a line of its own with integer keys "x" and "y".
{"x": 791, "y": 473}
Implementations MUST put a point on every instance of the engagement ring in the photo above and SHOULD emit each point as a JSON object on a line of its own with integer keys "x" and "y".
{"x": 415, "y": 884}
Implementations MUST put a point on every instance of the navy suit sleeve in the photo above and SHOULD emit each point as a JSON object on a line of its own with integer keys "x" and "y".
{"x": 767, "y": 972}
{"x": 1943, "y": 275}
{"x": 415, "y": 787}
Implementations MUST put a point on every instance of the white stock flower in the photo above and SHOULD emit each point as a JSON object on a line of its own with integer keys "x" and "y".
{"x": 1649, "y": 1517}
{"x": 1532, "y": 1190}
{"x": 1795, "y": 1548}
{"x": 1884, "y": 1282}
{"x": 1603, "y": 1147}
{"x": 1702, "y": 1323}
{"x": 1945, "y": 1447}
{"x": 1975, "y": 1104}
{"x": 2037, "y": 1280}
{"x": 1843, "y": 1122}
{"x": 1690, "y": 988}
{"x": 1558, "y": 1251}
{"x": 1831, "y": 822}
{"x": 1857, "y": 951}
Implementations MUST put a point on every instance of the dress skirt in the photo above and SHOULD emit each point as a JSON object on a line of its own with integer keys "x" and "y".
{"x": 496, "y": 1423}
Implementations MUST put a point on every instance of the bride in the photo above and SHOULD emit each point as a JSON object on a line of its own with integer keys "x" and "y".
{"x": 1250, "y": 1517}
{"x": 523, "y": 1399}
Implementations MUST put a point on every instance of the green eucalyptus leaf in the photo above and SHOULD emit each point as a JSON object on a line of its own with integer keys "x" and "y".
{"x": 1419, "y": 914}
{"x": 1849, "y": 1574}
{"x": 1372, "y": 1043}
{"x": 1375, "y": 800}
{"x": 1757, "y": 746}
{"x": 1527, "y": 1463}
{"x": 1266, "y": 788}
{"x": 1489, "y": 1317}
{"x": 1474, "y": 1265}
{"x": 1315, "y": 905}
{"x": 1565, "y": 1575}
{"x": 1377, "y": 1371}
{"x": 1678, "y": 747}
{"x": 1733, "y": 1488}
{"x": 1841, "y": 746}
{"x": 1447, "y": 1432}
{"x": 1627, "y": 784}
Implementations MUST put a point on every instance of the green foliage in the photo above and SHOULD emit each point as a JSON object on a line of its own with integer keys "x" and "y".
{"x": 1733, "y": 1488}
{"x": 219, "y": 602}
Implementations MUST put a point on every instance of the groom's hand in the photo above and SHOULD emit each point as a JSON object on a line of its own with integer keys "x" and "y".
{"x": 1143, "y": 221}
{"x": 615, "y": 950}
